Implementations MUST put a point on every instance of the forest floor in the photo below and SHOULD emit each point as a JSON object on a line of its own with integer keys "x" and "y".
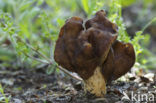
{"x": 35, "y": 86}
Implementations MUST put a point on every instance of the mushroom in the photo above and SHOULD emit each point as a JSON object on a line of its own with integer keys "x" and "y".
{"x": 93, "y": 51}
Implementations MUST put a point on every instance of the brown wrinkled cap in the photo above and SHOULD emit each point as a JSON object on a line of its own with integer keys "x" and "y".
{"x": 66, "y": 44}
{"x": 101, "y": 22}
{"x": 119, "y": 61}
{"x": 81, "y": 50}
{"x": 124, "y": 58}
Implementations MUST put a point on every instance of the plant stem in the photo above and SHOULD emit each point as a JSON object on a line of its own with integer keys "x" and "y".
{"x": 37, "y": 59}
{"x": 48, "y": 61}
{"x": 67, "y": 72}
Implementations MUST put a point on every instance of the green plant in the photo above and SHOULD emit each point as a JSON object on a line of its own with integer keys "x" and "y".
{"x": 115, "y": 15}
{"x": 32, "y": 27}
{"x": 3, "y": 98}
{"x": 139, "y": 41}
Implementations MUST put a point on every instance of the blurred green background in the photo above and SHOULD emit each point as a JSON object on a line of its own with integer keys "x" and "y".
{"x": 37, "y": 24}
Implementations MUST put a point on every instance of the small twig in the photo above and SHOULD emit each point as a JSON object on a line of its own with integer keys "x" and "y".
{"x": 32, "y": 48}
{"x": 149, "y": 23}
{"x": 67, "y": 72}
{"x": 39, "y": 60}
{"x": 51, "y": 50}
{"x": 42, "y": 55}
{"x": 48, "y": 61}
{"x": 62, "y": 69}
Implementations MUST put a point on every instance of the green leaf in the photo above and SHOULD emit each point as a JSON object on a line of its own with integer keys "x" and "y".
{"x": 127, "y": 2}
{"x": 39, "y": 2}
{"x": 50, "y": 69}
{"x": 60, "y": 22}
{"x": 139, "y": 32}
{"x": 25, "y": 5}
{"x": 85, "y": 5}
